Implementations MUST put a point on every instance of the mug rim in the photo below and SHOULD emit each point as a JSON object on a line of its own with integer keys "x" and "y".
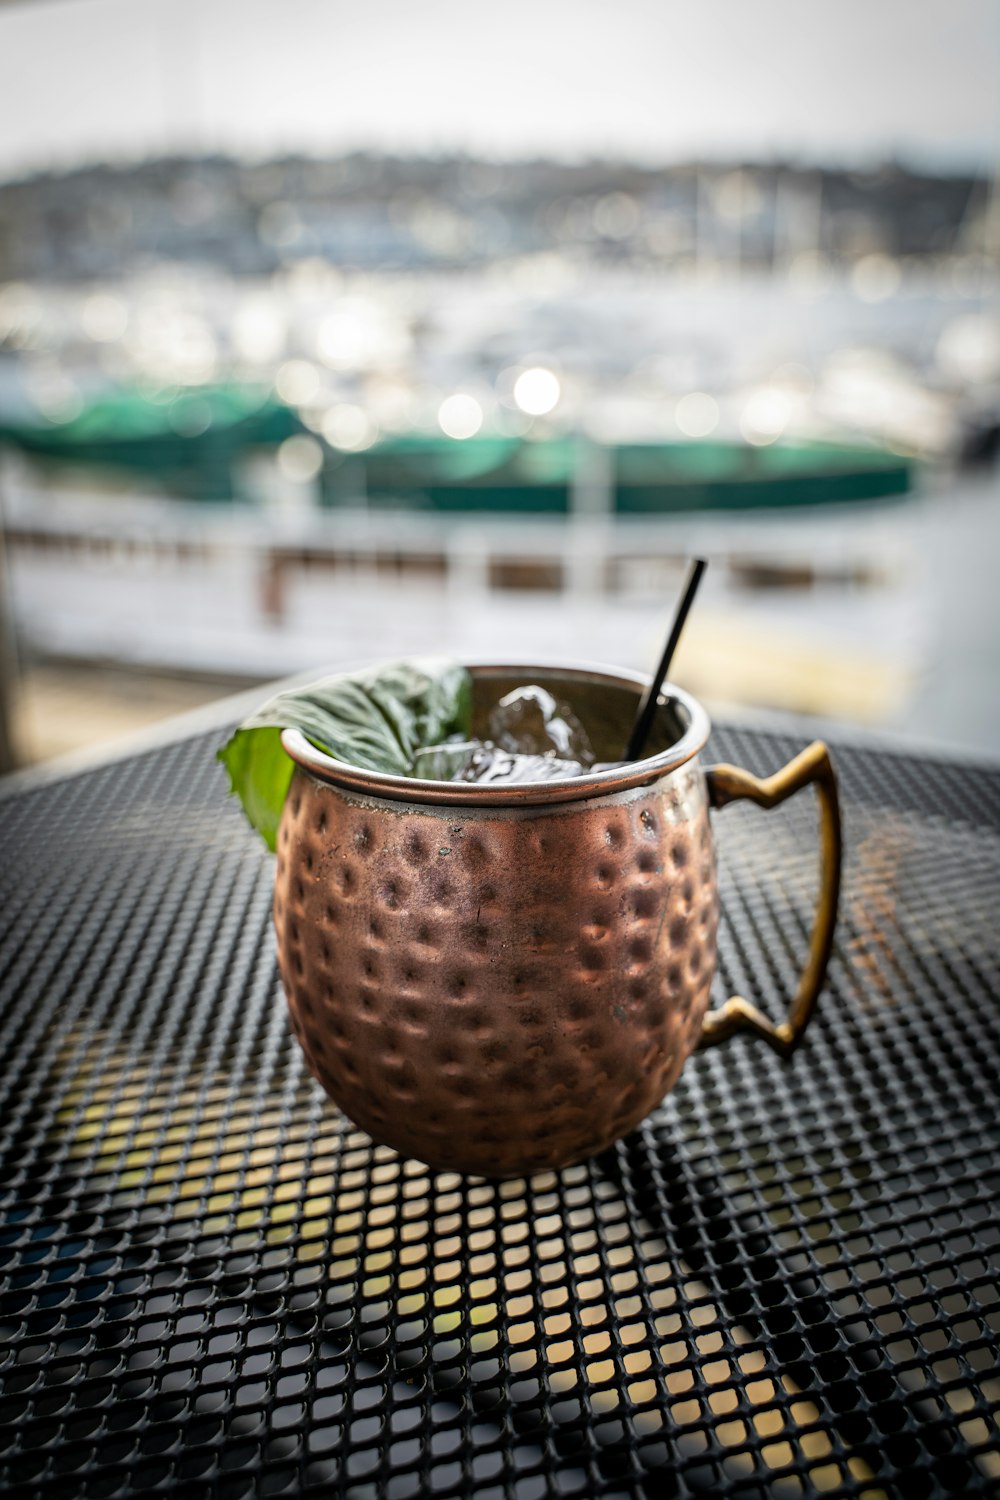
{"x": 383, "y": 784}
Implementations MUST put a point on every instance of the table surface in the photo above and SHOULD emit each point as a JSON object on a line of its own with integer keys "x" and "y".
{"x": 784, "y": 1283}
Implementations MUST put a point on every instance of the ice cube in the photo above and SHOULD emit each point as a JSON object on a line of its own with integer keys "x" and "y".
{"x": 532, "y": 737}
{"x": 493, "y": 764}
{"x": 481, "y": 760}
{"x": 447, "y": 762}
{"x": 529, "y": 721}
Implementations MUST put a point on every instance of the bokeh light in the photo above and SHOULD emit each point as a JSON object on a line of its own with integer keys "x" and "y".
{"x": 460, "y": 416}
{"x": 172, "y": 343}
{"x": 765, "y": 416}
{"x": 54, "y": 392}
{"x": 300, "y": 458}
{"x": 348, "y": 427}
{"x": 361, "y": 334}
{"x": 697, "y": 414}
{"x": 616, "y": 216}
{"x": 876, "y": 278}
{"x": 104, "y": 317}
{"x": 969, "y": 347}
{"x": 259, "y": 330}
{"x": 537, "y": 391}
{"x": 297, "y": 382}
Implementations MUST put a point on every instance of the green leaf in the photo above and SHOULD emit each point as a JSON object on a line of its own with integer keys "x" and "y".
{"x": 260, "y": 774}
{"x": 378, "y": 719}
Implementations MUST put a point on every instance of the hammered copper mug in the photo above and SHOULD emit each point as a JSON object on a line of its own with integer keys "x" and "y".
{"x": 503, "y": 978}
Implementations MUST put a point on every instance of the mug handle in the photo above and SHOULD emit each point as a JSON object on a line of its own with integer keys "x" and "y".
{"x": 731, "y": 784}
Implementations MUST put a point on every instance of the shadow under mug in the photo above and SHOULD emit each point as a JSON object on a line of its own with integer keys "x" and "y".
{"x": 504, "y": 978}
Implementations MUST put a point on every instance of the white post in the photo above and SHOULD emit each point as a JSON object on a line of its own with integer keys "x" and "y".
{"x": 590, "y": 520}
{"x": 8, "y": 660}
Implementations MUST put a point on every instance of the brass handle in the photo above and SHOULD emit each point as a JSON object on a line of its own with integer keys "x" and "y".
{"x": 731, "y": 784}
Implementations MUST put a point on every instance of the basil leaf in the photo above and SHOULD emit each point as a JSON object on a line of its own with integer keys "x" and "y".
{"x": 378, "y": 719}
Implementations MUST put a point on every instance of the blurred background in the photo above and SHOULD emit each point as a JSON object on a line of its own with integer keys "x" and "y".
{"x": 331, "y": 333}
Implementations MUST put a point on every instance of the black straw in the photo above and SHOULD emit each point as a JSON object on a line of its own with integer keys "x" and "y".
{"x": 647, "y": 705}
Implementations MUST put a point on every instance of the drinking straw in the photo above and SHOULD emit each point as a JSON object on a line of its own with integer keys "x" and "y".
{"x": 648, "y": 702}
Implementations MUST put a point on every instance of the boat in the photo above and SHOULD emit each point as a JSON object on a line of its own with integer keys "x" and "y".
{"x": 190, "y": 443}
{"x": 185, "y": 441}
{"x": 554, "y": 476}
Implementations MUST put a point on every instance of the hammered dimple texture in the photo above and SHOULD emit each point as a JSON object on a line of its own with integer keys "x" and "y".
{"x": 497, "y": 992}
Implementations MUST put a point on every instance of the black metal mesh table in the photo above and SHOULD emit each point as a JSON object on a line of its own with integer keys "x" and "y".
{"x": 783, "y": 1284}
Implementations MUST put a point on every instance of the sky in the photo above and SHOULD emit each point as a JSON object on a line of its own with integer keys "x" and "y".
{"x": 655, "y": 80}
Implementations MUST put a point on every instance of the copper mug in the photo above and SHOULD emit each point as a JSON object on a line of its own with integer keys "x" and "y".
{"x": 502, "y": 978}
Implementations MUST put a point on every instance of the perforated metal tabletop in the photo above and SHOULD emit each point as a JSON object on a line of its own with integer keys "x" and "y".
{"x": 784, "y": 1283}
